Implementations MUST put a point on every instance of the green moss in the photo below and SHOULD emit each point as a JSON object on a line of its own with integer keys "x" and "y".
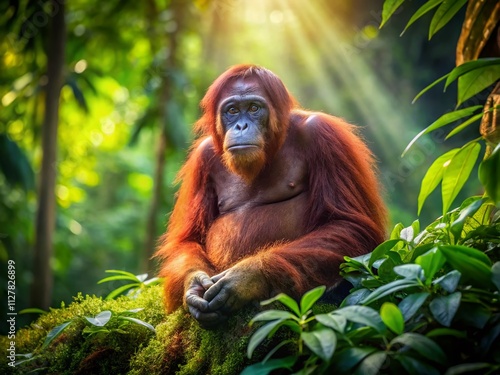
{"x": 180, "y": 345}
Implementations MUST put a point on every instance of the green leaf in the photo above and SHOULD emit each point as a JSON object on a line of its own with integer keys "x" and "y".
{"x": 310, "y": 298}
{"x": 449, "y": 282}
{"x": 464, "y": 125}
{"x": 469, "y": 66}
{"x": 407, "y": 234}
{"x": 128, "y": 312}
{"x": 470, "y": 210}
{"x": 467, "y": 251}
{"x": 139, "y": 322}
{"x": 444, "y": 308}
{"x": 363, "y": 315}
{"x": 121, "y": 289}
{"x": 332, "y": 320}
{"x": 444, "y": 14}
{"x": 457, "y": 172}
{"x": 261, "y": 334}
{"x": 285, "y": 300}
{"x": 415, "y": 366}
{"x": 390, "y": 6}
{"x": 371, "y": 365}
{"x": 429, "y": 87}
{"x": 411, "y": 304}
{"x": 431, "y": 262}
{"x": 54, "y": 333}
{"x": 422, "y": 345}
{"x": 117, "y": 277}
{"x": 495, "y": 274}
{"x": 32, "y": 310}
{"x": 489, "y": 172}
{"x": 381, "y": 250}
{"x": 429, "y": 5}
{"x": 392, "y": 317}
{"x": 433, "y": 176}
{"x": 389, "y": 288}
{"x": 473, "y": 269}
{"x": 272, "y": 315}
{"x": 476, "y": 81}
{"x": 100, "y": 319}
{"x": 265, "y": 368}
{"x": 445, "y": 119}
{"x": 321, "y": 342}
{"x": 348, "y": 358}
{"x": 125, "y": 273}
{"x": 446, "y": 332}
{"x": 396, "y": 231}
{"x": 356, "y": 297}
{"x": 467, "y": 368}
{"x": 410, "y": 271}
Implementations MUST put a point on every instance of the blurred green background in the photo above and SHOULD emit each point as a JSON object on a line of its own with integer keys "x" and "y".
{"x": 134, "y": 72}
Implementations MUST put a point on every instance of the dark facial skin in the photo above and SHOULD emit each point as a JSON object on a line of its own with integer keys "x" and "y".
{"x": 244, "y": 115}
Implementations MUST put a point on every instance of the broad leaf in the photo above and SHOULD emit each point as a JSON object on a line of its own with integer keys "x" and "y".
{"x": 428, "y": 6}
{"x": 389, "y": 288}
{"x": 139, "y": 322}
{"x": 390, "y": 6}
{"x": 272, "y": 315}
{"x": 464, "y": 125}
{"x": 422, "y": 345}
{"x": 495, "y": 275}
{"x": 444, "y": 308}
{"x": 411, "y": 304}
{"x": 371, "y": 365}
{"x": 332, "y": 320}
{"x": 260, "y": 335}
{"x": 410, "y": 271}
{"x": 476, "y": 81}
{"x": 470, "y": 210}
{"x": 467, "y": 251}
{"x": 54, "y": 333}
{"x": 265, "y": 368}
{"x": 381, "y": 250}
{"x": 321, "y": 342}
{"x": 457, "y": 172}
{"x": 414, "y": 366}
{"x": 449, "y": 282}
{"x": 470, "y": 66}
{"x": 285, "y": 300}
{"x": 363, "y": 315}
{"x": 396, "y": 231}
{"x": 431, "y": 262}
{"x": 489, "y": 172}
{"x": 392, "y": 317}
{"x": 348, "y": 358}
{"x": 445, "y": 119}
{"x": 473, "y": 271}
{"x": 433, "y": 176}
{"x": 468, "y": 368}
{"x": 100, "y": 319}
{"x": 444, "y": 14}
{"x": 310, "y": 298}
{"x": 356, "y": 297}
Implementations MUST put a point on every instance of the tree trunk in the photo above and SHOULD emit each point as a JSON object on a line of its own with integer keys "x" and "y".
{"x": 41, "y": 292}
{"x": 151, "y": 223}
{"x": 166, "y": 94}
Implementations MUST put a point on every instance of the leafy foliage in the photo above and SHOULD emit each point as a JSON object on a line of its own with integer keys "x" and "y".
{"x": 418, "y": 298}
{"x": 424, "y": 301}
{"x": 138, "y": 283}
